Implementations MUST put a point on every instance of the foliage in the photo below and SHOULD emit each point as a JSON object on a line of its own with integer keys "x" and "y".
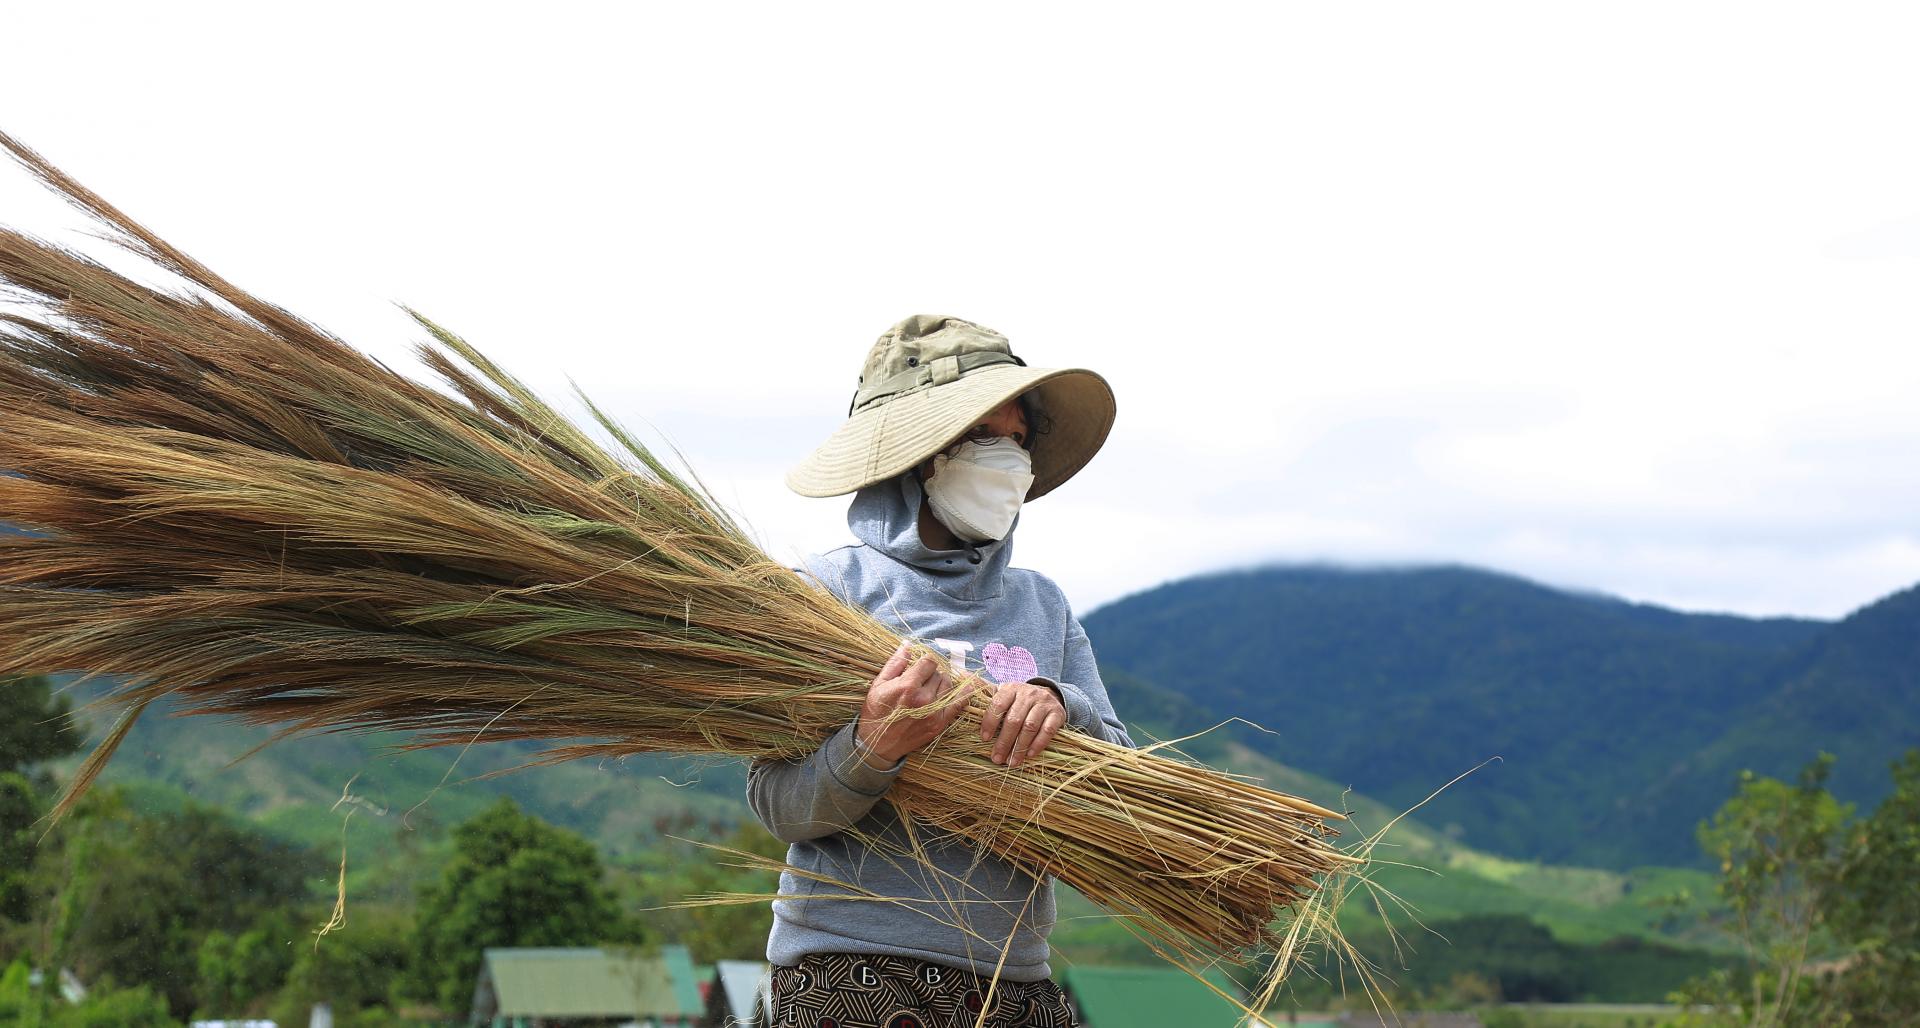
{"x": 138, "y": 1007}
{"x": 354, "y": 969}
{"x": 1464, "y": 991}
{"x": 15, "y": 994}
{"x": 19, "y": 808}
{"x": 196, "y": 911}
{"x": 237, "y": 972}
{"x": 1878, "y": 908}
{"x": 136, "y": 893}
{"x": 1824, "y": 902}
{"x": 35, "y": 725}
{"x": 513, "y": 880}
{"x": 1778, "y": 847}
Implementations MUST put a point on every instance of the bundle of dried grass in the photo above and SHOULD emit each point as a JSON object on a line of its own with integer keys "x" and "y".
{"x": 239, "y": 511}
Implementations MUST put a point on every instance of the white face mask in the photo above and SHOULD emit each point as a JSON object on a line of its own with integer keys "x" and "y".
{"x": 977, "y": 492}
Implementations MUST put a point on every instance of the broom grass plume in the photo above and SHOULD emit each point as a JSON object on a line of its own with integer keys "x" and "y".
{"x": 238, "y": 513}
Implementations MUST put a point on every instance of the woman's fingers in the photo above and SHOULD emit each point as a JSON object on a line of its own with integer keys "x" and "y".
{"x": 1021, "y": 719}
{"x": 958, "y": 694}
{"x": 894, "y": 665}
{"x": 1049, "y": 727}
{"x": 953, "y": 705}
{"x": 997, "y": 711}
{"x": 923, "y": 672}
{"x": 1010, "y": 729}
{"x": 897, "y": 680}
{"x": 929, "y": 691}
{"x": 1030, "y": 725}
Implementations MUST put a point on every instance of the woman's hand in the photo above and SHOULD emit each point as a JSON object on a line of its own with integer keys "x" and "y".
{"x": 1026, "y": 715}
{"x": 904, "y": 687}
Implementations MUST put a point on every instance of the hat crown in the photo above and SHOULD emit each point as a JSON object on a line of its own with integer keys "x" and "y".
{"x": 922, "y": 339}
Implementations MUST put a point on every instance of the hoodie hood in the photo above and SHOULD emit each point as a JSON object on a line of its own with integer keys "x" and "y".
{"x": 886, "y": 517}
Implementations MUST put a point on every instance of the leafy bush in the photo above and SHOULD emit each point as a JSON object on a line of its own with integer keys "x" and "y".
{"x": 514, "y": 880}
{"x": 1824, "y": 902}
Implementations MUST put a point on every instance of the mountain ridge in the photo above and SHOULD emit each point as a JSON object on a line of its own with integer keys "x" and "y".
{"x": 1621, "y": 724}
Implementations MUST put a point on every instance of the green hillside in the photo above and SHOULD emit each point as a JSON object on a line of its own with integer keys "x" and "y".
{"x": 400, "y": 811}
{"x": 1854, "y": 692}
{"x": 404, "y": 800}
{"x": 1438, "y": 879}
{"x": 1619, "y": 726}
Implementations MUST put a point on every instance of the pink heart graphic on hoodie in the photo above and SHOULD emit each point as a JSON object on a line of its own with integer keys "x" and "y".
{"x": 1009, "y": 665}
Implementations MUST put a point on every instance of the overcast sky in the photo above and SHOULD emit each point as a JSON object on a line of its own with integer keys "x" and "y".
{"x": 1618, "y": 297}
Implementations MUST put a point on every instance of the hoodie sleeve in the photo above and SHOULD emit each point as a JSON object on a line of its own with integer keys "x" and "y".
{"x": 1082, "y": 692}
{"x": 830, "y": 789}
{"x": 824, "y": 792}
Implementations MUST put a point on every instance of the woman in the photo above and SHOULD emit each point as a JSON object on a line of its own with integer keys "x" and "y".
{"x": 947, "y": 435}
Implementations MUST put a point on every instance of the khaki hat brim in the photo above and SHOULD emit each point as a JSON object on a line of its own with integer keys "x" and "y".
{"x": 887, "y": 439}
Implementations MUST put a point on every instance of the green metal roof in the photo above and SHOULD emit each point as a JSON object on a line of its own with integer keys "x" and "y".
{"x": 1149, "y": 997}
{"x": 594, "y": 982}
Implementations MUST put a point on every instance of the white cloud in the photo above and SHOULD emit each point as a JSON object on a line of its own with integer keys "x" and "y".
{"x": 1893, "y": 239}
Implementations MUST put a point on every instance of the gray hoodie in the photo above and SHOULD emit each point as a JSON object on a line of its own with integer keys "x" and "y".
{"x": 967, "y": 905}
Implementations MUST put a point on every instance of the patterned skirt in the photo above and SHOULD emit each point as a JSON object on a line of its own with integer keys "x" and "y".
{"x": 845, "y": 990}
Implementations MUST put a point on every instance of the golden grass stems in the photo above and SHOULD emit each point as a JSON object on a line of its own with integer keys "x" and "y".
{"x": 237, "y": 511}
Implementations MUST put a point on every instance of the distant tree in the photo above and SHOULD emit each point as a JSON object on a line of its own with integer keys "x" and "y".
{"x": 35, "y": 725}
{"x": 1805, "y": 881}
{"x": 1878, "y": 909}
{"x": 1464, "y": 991}
{"x": 1520, "y": 957}
{"x": 514, "y": 880}
{"x": 16, "y": 996}
{"x": 134, "y": 894}
{"x": 138, "y": 1007}
{"x": 19, "y": 808}
{"x": 1779, "y": 848}
{"x": 354, "y": 970}
{"x": 238, "y": 972}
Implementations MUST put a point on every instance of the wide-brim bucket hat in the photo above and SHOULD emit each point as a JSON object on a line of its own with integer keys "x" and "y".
{"x": 927, "y": 381}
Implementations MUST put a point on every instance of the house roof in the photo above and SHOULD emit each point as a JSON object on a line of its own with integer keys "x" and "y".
{"x": 1149, "y": 997}
{"x": 593, "y": 982}
{"x": 741, "y": 985}
{"x": 740, "y": 992}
